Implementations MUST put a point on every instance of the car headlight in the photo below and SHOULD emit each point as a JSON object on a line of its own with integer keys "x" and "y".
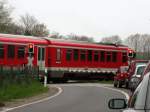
{"x": 134, "y": 80}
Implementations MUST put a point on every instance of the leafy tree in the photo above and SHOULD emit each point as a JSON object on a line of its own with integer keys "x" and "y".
{"x": 15, "y": 29}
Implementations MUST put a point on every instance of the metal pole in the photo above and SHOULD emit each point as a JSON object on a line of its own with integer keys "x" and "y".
{"x": 45, "y": 78}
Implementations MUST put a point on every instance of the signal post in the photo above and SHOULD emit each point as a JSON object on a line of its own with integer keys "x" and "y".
{"x": 30, "y": 52}
{"x": 30, "y": 55}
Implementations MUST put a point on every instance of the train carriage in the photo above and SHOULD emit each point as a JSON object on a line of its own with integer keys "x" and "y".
{"x": 63, "y": 59}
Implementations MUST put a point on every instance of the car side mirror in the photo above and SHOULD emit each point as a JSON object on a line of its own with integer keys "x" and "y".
{"x": 117, "y": 104}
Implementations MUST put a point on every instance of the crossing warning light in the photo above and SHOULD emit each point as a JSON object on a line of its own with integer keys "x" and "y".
{"x": 31, "y": 48}
{"x": 130, "y": 53}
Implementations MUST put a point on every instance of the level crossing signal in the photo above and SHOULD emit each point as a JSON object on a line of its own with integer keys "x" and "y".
{"x": 30, "y": 48}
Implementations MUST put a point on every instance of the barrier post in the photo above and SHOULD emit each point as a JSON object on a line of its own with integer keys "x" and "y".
{"x": 45, "y": 78}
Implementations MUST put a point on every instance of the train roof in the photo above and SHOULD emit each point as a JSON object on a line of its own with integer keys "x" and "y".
{"x": 9, "y": 38}
{"x": 21, "y": 39}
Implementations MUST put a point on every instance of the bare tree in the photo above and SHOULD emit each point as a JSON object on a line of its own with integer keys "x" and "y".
{"x": 86, "y": 38}
{"x": 5, "y": 19}
{"x": 140, "y": 43}
{"x": 73, "y": 37}
{"x": 28, "y": 22}
{"x": 39, "y": 30}
{"x": 54, "y": 35}
{"x": 80, "y": 38}
{"x": 146, "y": 45}
{"x": 133, "y": 41}
{"x": 112, "y": 40}
{"x": 33, "y": 27}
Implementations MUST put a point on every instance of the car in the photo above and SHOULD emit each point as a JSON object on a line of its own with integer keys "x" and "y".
{"x": 136, "y": 77}
{"x": 146, "y": 70}
{"x": 124, "y": 74}
{"x": 138, "y": 102}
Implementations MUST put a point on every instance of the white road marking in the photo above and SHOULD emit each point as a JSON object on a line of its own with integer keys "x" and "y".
{"x": 39, "y": 101}
{"x": 126, "y": 95}
{"x": 102, "y": 85}
{"x": 60, "y": 91}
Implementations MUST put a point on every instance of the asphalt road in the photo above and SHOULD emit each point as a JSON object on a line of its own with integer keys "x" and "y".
{"x": 76, "y": 98}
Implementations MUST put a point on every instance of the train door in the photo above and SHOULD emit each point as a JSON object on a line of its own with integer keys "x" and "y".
{"x": 41, "y": 58}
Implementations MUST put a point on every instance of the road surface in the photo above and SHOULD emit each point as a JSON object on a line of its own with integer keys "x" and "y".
{"x": 76, "y": 98}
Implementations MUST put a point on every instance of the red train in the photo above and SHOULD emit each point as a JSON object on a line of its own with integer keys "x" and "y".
{"x": 63, "y": 59}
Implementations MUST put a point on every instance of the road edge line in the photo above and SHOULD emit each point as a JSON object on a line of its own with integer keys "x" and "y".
{"x": 126, "y": 94}
{"x": 104, "y": 86}
{"x": 60, "y": 90}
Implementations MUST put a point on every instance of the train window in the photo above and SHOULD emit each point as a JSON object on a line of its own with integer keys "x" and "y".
{"x": 1, "y": 51}
{"x": 39, "y": 53}
{"x": 21, "y": 52}
{"x": 11, "y": 51}
{"x": 43, "y": 54}
{"x": 114, "y": 56}
{"x": 68, "y": 54}
{"x": 49, "y": 56}
{"x": 102, "y": 54}
{"x": 96, "y": 56}
{"x": 108, "y": 57}
{"x": 83, "y": 55}
{"x": 58, "y": 55}
{"x": 89, "y": 55}
{"x": 124, "y": 57}
{"x": 76, "y": 54}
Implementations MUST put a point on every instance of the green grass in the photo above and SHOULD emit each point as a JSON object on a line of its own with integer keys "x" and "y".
{"x": 17, "y": 91}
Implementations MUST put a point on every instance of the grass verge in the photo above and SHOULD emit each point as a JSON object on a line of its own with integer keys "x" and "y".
{"x": 18, "y": 91}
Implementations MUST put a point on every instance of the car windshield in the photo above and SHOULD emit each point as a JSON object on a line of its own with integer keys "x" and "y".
{"x": 140, "y": 70}
{"x": 123, "y": 69}
{"x": 140, "y": 63}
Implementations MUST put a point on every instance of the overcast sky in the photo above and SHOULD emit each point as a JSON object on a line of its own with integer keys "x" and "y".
{"x": 96, "y": 18}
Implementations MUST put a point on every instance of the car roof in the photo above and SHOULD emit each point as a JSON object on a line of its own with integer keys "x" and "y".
{"x": 140, "y": 65}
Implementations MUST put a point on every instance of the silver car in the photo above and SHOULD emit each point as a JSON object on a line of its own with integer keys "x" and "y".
{"x": 136, "y": 77}
{"x": 140, "y": 100}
